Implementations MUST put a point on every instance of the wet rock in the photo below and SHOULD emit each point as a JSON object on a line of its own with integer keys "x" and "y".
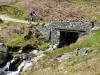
{"x": 3, "y": 53}
{"x": 14, "y": 64}
{"x": 3, "y": 48}
{"x": 2, "y": 72}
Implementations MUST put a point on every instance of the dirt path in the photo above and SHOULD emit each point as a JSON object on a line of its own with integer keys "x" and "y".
{"x": 6, "y": 18}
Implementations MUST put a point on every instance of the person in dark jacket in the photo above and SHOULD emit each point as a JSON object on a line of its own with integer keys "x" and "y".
{"x": 32, "y": 15}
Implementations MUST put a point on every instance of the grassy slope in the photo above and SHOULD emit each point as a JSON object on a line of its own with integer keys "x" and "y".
{"x": 83, "y": 9}
{"x": 75, "y": 9}
{"x": 14, "y": 10}
{"x": 91, "y": 8}
{"x": 14, "y": 35}
{"x": 88, "y": 65}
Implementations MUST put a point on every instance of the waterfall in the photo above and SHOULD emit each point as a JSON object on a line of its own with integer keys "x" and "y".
{"x": 6, "y": 66}
{"x": 5, "y": 69}
{"x": 21, "y": 65}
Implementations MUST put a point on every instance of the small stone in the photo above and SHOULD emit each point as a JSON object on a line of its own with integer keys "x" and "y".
{"x": 82, "y": 51}
{"x": 20, "y": 51}
{"x": 94, "y": 51}
{"x": 55, "y": 46}
{"x": 66, "y": 56}
{"x": 35, "y": 51}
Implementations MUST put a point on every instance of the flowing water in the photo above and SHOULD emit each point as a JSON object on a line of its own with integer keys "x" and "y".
{"x": 5, "y": 69}
{"x": 18, "y": 69}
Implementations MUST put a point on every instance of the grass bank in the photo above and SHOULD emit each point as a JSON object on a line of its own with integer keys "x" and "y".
{"x": 78, "y": 65}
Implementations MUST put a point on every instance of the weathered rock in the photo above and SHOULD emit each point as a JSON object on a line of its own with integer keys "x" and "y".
{"x": 65, "y": 56}
{"x": 28, "y": 66}
{"x": 82, "y": 51}
{"x": 3, "y": 48}
{"x": 3, "y": 53}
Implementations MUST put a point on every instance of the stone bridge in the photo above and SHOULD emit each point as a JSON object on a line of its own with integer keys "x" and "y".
{"x": 65, "y": 31}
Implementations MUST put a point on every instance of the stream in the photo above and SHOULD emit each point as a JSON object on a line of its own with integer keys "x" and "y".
{"x": 22, "y": 66}
{"x": 5, "y": 69}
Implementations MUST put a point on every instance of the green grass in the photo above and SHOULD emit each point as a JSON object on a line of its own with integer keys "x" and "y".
{"x": 18, "y": 40}
{"x": 92, "y": 42}
{"x": 14, "y": 10}
{"x": 44, "y": 46}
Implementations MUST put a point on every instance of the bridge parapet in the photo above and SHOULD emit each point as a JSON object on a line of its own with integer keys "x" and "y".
{"x": 78, "y": 25}
{"x": 52, "y": 31}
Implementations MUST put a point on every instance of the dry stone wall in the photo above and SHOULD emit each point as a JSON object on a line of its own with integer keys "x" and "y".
{"x": 52, "y": 31}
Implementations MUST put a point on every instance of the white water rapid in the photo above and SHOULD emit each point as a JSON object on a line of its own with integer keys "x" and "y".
{"x": 6, "y": 67}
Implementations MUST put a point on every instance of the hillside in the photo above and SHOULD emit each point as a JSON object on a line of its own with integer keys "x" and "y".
{"x": 64, "y": 9}
{"x": 29, "y": 53}
{"x": 80, "y": 65}
{"x": 57, "y": 9}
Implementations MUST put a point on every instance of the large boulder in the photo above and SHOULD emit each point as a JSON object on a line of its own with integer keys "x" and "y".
{"x": 3, "y": 53}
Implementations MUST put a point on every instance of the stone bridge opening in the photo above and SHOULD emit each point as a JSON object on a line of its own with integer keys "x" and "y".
{"x": 65, "y": 32}
{"x": 67, "y": 38}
